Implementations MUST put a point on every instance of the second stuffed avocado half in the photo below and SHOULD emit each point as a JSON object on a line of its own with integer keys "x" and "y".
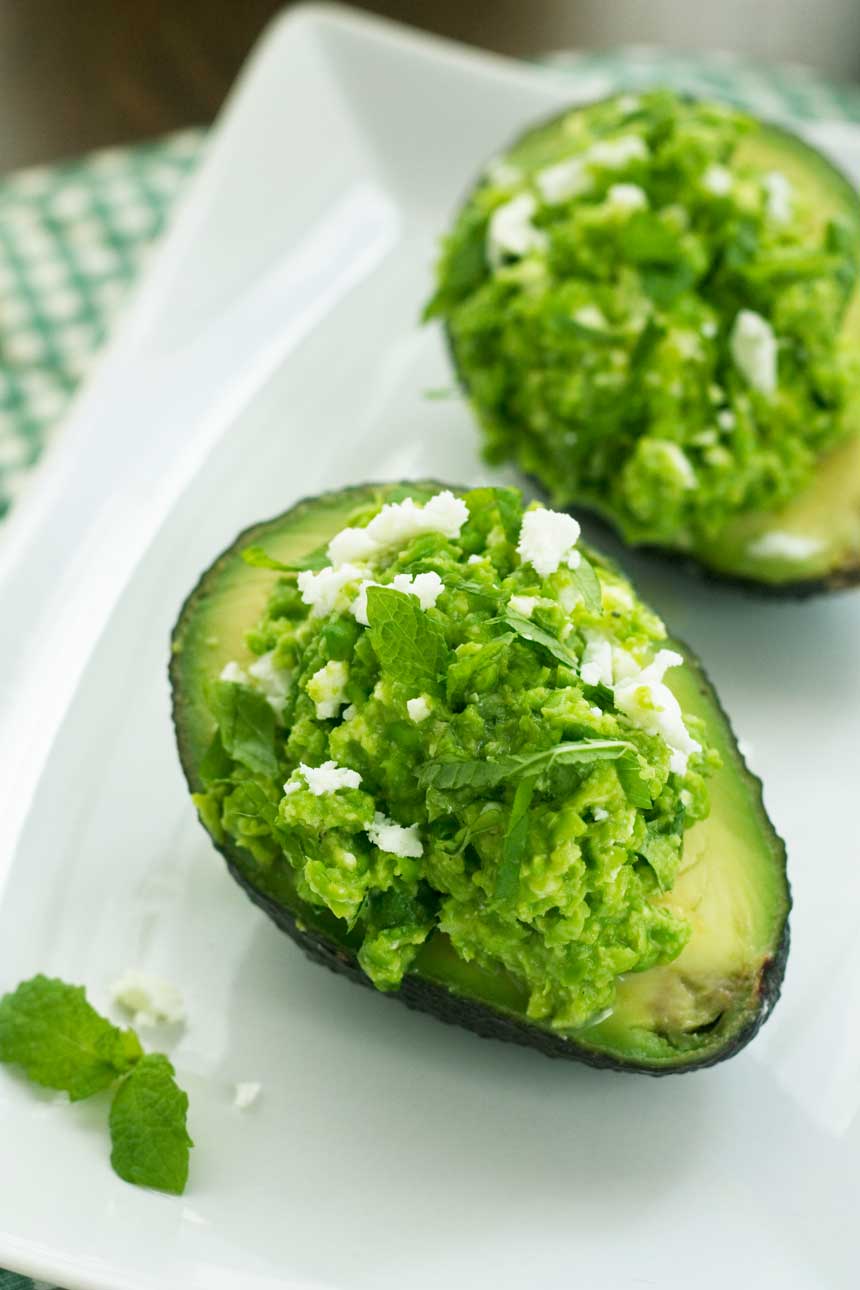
{"x": 454, "y": 756}
{"x": 653, "y": 306}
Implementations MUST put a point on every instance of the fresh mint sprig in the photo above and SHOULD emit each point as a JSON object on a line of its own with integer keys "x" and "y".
{"x": 53, "y": 1033}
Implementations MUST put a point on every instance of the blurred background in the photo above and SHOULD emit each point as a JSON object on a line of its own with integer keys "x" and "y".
{"x": 79, "y": 74}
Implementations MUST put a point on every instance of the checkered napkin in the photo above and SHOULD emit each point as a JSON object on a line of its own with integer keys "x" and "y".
{"x": 74, "y": 237}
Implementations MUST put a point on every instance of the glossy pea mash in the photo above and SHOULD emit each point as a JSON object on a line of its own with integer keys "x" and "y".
{"x": 645, "y": 321}
{"x": 455, "y": 722}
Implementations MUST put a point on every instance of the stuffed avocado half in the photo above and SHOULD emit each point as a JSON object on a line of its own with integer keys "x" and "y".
{"x": 653, "y": 305}
{"x": 454, "y": 756}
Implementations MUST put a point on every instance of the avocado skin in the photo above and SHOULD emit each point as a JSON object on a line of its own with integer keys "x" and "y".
{"x": 420, "y": 994}
{"x": 843, "y": 578}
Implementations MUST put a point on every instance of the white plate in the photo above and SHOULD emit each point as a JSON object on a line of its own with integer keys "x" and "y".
{"x": 275, "y": 351}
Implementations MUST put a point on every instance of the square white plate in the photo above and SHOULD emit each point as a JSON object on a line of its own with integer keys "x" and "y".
{"x": 274, "y": 351}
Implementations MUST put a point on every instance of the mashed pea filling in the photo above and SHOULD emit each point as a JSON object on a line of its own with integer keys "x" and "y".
{"x": 645, "y": 321}
{"x": 457, "y": 722}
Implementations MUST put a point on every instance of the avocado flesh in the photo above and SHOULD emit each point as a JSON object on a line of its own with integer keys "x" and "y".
{"x": 827, "y": 511}
{"x": 733, "y": 888}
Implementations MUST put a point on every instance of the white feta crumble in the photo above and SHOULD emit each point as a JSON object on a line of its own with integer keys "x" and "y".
{"x": 502, "y": 173}
{"x": 718, "y": 181}
{"x": 627, "y": 197}
{"x": 324, "y": 590}
{"x": 562, "y": 181}
{"x": 350, "y": 712}
{"x": 547, "y": 539}
{"x": 612, "y": 154}
{"x": 327, "y": 778}
{"x": 511, "y": 231}
{"x": 591, "y": 316}
{"x": 394, "y": 838}
{"x": 234, "y": 673}
{"x": 476, "y": 559}
{"x": 395, "y": 525}
{"x": 327, "y": 689}
{"x": 418, "y": 709}
{"x": 599, "y": 814}
{"x": 149, "y": 998}
{"x": 273, "y": 682}
{"x": 783, "y": 546}
{"x": 246, "y": 1094}
{"x": 726, "y": 419}
{"x": 426, "y": 587}
{"x": 709, "y": 329}
{"x": 779, "y": 194}
{"x": 596, "y": 665}
{"x": 754, "y": 350}
{"x": 524, "y": 605}
{"x": 652, "y": 706}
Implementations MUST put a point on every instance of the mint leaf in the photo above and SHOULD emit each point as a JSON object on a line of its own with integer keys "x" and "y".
{"x": 247, "y": 726}
{"x": 480, "y": 774}
{"x": 51, "y": 1031}
{"x": 631, "y": 780}
{"x": 539, "y": 636}
{"x": 148, "y": 1127}
{"x": 408, "y": 644}
{"x": 257, "y": 558}
{"x": 588, "y": 586}
{"x": 516, "y": 838}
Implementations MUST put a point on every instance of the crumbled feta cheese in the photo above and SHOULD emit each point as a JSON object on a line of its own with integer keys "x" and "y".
{"x": 599, "y": 814}
{"x": 754, "y": 350}
{"x": 523, "y": 605}
{"x": 427, "y": 587}
{"x": 234, "y": 673}
{"x": 502, "y": 174}
{"x": 327, "y": 688}
{"x": 596, "y": 712}
{"x": 396, "y": 524}
{"x": 350, "y": 712}
{"x": 779, "y": 194}
{"x": 273, "y": 682}
{"x": 246, "y": 1094}
{"x": 418, "y": 709}
{"x": 591, "y": 316}
{"x": 709, "y": 329}
{"x": 612, "y": 154}
{"x": 149, "y": 998}
{"x": 785, "y": 546}
{"x": 476, "y": 559}
{"x": 394, "y": 838}
{"x": 511, "y": 231}
{"x": 327, "y": 778}
{"x": 627, "y": 197}
{"x": 726, "y": 419}
{"x": 596, "y": 665}
{"x": 547, "y": 539}
{"x": 624, "y": 664}
{"x": 562, "y": 181}
{"x": 718, "y": 181}
{"x": 323, "y": 591}
{"x": 652, "y": 706}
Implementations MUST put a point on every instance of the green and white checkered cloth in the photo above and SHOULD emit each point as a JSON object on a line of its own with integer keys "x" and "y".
{"x": 73, "y": 239}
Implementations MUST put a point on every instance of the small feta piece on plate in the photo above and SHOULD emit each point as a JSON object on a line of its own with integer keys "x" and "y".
{"x": 418, "y": 709}
{"x": 150, "y": 999}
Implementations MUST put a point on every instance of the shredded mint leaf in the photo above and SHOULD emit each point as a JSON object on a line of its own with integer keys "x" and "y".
{"x": 258, "y": 559}
{"x": 247, "y": 726}
{"x": 51, "y": 1031}
{"x": 539, "y": 636}
{"x": 148, "y": 1127}
{"x": 588, "y": 585}
{"x": 409, "y": 645}
{"x": 215, "y": 763}
{"x": 630, "y": 777}
{"x": 516, "y": 838}
{"x": 478, "y": 774}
